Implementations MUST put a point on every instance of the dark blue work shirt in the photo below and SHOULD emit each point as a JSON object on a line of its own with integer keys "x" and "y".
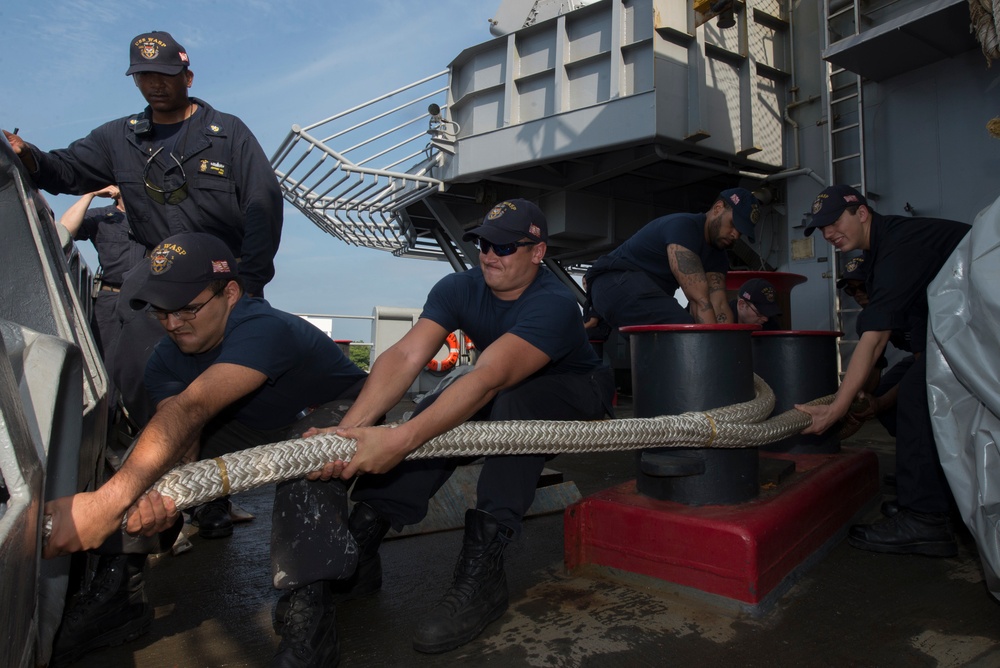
{"x": 107, "y": 228}
{"x": 232, "y": 192}
{"x": 546, "y": 315}
{"x": 905, "y": 254}
{"x": 646, "y": 250}
{"x": 304, "y": 366}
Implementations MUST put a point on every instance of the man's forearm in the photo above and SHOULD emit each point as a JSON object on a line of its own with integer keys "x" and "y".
{"x": 260, "y": 245}
{"x": 457, "y": 403}
{"x": 705, "y": 312}
{"x": 701, "y": 309}
{"x": 866, "y": 353}
{"x": 690, "y": 276}
{"x": 717, "y": 297}
{"x": 391, "y": 375}
{"x": 504, "y": 364}
{"x": 160, "y": 446}
{"x": 73, "y": 218}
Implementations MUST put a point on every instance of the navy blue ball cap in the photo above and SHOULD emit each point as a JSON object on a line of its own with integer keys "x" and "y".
{"x": 510, "y": 221}
{"x": 762, "y": 295}
{"x": 856, "y": 269}
{"x": 181, "y": 267}
{"x": 830, "y": 203}
{"x": 156, "y": 51}
{"x": 746, "y": 210}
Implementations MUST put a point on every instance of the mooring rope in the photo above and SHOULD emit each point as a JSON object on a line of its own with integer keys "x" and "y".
{"x": 985, "y": 17}
{"x": 737, "y": 426}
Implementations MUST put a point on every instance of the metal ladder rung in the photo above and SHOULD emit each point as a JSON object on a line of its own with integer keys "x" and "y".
{"x": 852, "y": 126}
{"x": 840, "y": 12}
{"x": 845, "y": 98}
{"x": 846, "y": 83}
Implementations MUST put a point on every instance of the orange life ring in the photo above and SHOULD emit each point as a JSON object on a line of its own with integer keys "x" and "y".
{"x": 448, "y": 362}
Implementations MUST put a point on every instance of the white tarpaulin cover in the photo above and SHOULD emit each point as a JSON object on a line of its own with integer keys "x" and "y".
{"x": 963, "y": 360}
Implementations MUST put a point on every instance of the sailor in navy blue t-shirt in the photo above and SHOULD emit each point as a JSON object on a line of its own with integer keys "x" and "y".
{"x": 231, "y": 373}
{"x": 635, "y": 283}
{"x": 536, "y": 363}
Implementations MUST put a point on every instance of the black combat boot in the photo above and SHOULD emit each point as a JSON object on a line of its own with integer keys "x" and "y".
{"x": 368, "y": 529}
{"x": 213, "y": 519}
{"x": 112, "y": 610}
{"x": 308, "y": 629}
{"x": 479, "y": 593}
{"x": 907, "y": 532}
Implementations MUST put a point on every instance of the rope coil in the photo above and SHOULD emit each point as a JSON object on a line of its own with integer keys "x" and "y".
{"x": 737, "y": 426}
{"x": 985, "y": 24}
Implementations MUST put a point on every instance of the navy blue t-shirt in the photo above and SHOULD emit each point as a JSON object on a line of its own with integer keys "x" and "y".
{"x": 304, "y": 366}
{"x": 646, "y": 250}
{"x": 905, "y": 255}
{"x": 545, "y": 315}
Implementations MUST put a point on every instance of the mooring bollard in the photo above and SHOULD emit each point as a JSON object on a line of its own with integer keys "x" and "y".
{"x": 798, "y": 366}
{"x": 681, "y": 368}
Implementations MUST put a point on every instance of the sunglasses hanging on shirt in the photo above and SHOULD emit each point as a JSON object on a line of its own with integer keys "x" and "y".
{"x": 158, "y": 194}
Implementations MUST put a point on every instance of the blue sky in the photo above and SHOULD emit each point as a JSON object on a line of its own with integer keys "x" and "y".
{"x": 273, "y": 65}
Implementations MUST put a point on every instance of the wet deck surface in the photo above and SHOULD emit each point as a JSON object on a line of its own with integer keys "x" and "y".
{"x": 852, "y": 608}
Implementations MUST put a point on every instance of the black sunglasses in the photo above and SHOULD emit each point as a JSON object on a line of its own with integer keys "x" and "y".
{"x": 159, "y": 195}
{"x": 852, "y": 290}
{"x": 502, "y": 250}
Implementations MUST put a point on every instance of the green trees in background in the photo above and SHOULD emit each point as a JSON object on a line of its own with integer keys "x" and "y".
{"x": 360, "y": 355}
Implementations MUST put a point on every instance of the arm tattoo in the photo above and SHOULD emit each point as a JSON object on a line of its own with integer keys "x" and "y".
{"x": 716, "y": 282}
{"x": 688, "y": 263}
{"x": 688, "y": 270}
{"x": 690, "y": 275}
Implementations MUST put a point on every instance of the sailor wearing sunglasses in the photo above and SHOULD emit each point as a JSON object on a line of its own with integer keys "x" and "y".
{"x": 536, "y": 364}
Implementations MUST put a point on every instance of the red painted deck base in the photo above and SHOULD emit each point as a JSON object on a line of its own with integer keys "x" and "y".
{"x": 742, "y": 552}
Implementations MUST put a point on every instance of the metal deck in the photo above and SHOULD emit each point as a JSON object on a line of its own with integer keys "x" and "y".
{"x": 851, "y": 608}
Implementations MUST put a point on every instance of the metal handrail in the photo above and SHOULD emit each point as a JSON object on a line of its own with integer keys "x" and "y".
{"x": 359, "y": 199}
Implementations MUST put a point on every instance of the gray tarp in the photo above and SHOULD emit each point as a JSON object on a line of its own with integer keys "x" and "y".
{"x": 963, "y": 361}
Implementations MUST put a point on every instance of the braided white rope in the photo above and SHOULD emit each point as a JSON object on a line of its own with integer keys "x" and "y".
{"x": 736, "y": 426}
{"x": 985, "y": 20}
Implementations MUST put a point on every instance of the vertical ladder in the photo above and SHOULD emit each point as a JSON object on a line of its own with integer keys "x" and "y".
{"x": 846, "y": 128}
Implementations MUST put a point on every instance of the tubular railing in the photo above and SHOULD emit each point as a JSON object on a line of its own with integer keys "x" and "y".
{"x": 353, "y": 173}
